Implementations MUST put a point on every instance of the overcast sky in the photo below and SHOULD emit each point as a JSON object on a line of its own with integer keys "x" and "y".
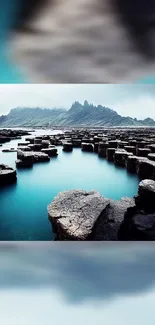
{"x": 128, "y": 100}
{"x": 87, "y": 283}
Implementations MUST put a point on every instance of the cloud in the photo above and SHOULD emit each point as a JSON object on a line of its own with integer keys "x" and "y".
{"x": 80, "y": 283}
{"x": 81, "y": 271}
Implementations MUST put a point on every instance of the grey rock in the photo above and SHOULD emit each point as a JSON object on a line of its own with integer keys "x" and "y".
{"x": 9, "y": 150}
{"x": 74, "y": 213}
{"x": 45, "y": 143}
{"x": 87, "y": 147}
{"x": 139, "y": 220}
{"x": 24, "y": 148}
{"x": 51, "y": 152}
{"x": 131, "y": 149}
{"x": 120, "y": 157}
{"x": 40, "y": 157}
{"x": 108, "y": 224}
{"x": 67, "y": 146}
{"x": 143, "y": 152}
{"x": 110, "y": 154}
{"x": 146, "y": 169}
{"x": 145, "y": 200}
{"x": 7, "y": 174}
{"x": 23, "y": 163}
{"x": 102, "y": 149}
{"x": 151, "y": 156}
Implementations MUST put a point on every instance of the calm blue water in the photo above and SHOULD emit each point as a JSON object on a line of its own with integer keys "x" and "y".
{"x": 23, "y": 206}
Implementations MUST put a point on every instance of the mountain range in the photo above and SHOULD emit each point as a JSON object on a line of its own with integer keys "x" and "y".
{"x": 78, "y": 115}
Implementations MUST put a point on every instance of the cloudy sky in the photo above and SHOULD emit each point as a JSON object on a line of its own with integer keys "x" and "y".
{"x": 82, "y": 283}
{"x": 128, "y": 100}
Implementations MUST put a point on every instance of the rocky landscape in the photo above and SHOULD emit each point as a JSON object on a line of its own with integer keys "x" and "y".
{"x": 81, "y": 215}
{"x": 7, "y": 135}
{"x": 78, "y": 115}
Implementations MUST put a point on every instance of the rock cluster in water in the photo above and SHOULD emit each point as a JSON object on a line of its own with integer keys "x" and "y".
{"x": 74, "y": 215}
{"x": 38, "y": 149}
{"x": 131, "y": 148}
{"x": 7, "y": 135}
{"x": 81, "y": 215}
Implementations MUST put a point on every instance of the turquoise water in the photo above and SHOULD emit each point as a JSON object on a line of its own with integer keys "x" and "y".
{"x": 9, "y": 71}
{"x": 23, "y": 206}
{"x": 149, "y": 80}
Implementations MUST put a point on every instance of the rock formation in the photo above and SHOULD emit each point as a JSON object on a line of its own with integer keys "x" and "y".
{"x": 139, "y": 220}
{"x": 7, "y": 175}
{"x": 81, "y": 215}
{"x": 73, "y": 214}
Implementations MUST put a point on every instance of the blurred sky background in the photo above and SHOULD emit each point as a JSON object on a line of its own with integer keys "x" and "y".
{"x": 128, "y": 100}
{"x": 70, "y": 41}
{"x": 95, "y": 283}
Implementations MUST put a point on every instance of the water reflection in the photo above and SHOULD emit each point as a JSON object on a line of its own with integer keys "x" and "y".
{"x": 78, "y": 283}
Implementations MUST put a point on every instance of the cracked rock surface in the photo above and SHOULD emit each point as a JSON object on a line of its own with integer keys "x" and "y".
{"x": 74, "y": 213}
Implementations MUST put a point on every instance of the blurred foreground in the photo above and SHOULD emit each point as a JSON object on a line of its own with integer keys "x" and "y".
{"x": 109, "y": 41}
{"x": 79, "y": 283}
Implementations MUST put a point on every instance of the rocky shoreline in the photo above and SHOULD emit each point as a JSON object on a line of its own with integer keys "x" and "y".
{"x": 7, "y": 135}
{"x": 81, "y": 215}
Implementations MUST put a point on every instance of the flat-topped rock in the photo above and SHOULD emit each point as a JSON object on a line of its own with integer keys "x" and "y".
{"x": 102, "y": 149}
{"x": 87, "y": 147}
{"x": 152, "y": 147}
{"x": 74, "y": 213}
{"x": 76, "y": 143}
{"x": 146, "y": 196}
{"x": 143, "y": 152}
{"x": 67, "y": 146}
{"x": 38, "y": 140}
{"x": 20, "y": 144}
{"x": 113, "y": 143}
{"x": 120, "y": 157}
{"x": 51, "y": 152}
{"x": 23, "y": 163}
{"x": 30, "y": 140}
{"x": 151, "y": 156}
{"x": 131, "y": 149}
{"x": 45, "y": 143}
{"x": 25, "y": 155}
{"x": 9, "y": 150}
{"x": 35, "y": 147}
{"x": 110, "y": 154}
{"x": 32, "y": 156}
{"x": 40, "y": 157}
{"x": 24, "y": 148}
{"x": 132, "y": 163}
{"x": 7, "y": 174}
{"x": 146, "y": 169}
{"x": 4, "y": 139}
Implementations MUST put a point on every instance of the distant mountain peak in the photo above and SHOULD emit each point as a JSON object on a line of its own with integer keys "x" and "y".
{"x": 85, "y": 114}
